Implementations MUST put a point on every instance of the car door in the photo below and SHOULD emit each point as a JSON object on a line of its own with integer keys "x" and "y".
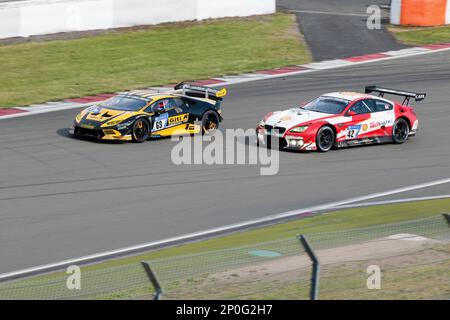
{"x": 163, "y": 110}
{"x": 360, "y": 113}
{"x": 181, "y": 115}
{"x": 169, "y": 114}
{"x": 382, "y": 119}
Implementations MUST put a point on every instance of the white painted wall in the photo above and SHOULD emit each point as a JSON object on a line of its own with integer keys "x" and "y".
{"x": 447, "y": 13}
{"x": 396, "y": 10}
{"x": 233, "y": 8}
{"x": 35, "y": 17}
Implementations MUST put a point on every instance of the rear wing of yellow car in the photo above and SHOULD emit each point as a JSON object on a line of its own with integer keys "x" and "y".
{"x": 201, "y": 91}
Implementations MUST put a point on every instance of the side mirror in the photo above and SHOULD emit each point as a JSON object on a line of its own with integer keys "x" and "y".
{"x": 351, "y": 113}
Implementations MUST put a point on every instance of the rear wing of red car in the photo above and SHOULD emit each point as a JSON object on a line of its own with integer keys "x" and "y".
{"x": 201, "y": 91}
{"x": 406, "y": 94}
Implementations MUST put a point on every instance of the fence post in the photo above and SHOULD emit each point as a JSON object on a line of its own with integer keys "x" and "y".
{"x": 447, "y": 217}
{"x": 314, "y": 294}
{"x": 153, "y": 279}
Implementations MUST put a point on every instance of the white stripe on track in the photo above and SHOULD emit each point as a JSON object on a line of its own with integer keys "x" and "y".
{"x": 394, "y": 201}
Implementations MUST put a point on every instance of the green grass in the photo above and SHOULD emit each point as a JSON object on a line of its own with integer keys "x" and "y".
{"x": 341, "y": 281}
{"x": 53, "y": 70}
{"x": 421, "y": 36}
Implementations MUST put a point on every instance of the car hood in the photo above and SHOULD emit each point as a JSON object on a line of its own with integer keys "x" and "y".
{"x": 295, "y": 116}
{"x": 102, "y": 116}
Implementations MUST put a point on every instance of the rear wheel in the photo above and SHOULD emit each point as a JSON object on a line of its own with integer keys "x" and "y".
{"x": 325, "y": 139}
{"x": 140, "y": 131}
{"x": 210, "y": 122}
{"x": 400, "y": 131}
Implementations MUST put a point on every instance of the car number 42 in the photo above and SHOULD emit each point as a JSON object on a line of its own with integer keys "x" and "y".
{"x": 353, "y": 131}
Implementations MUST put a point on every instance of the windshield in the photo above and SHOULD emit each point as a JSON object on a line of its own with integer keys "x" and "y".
{"x": 125, "y": 103}
{"x": 326, "y": 104}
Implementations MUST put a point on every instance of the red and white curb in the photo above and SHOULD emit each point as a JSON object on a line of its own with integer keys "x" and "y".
{"x": 228, "y": 80}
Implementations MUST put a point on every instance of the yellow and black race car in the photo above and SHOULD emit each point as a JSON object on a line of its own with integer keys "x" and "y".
{"x": 139, "y": 115}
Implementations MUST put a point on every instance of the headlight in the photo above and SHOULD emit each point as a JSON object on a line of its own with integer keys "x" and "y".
{"x": 299, "y": 129}
{"x": 262, "y": 123}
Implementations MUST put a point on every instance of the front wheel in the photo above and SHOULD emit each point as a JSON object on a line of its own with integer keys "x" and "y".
{"x": 210, "y": 122}
{"x": 325, "y": 139}
{"x": 140, "y": 130}
{"x": 400, "y": 131}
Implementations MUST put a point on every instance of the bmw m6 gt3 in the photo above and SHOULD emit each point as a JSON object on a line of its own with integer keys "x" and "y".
{"x": 342, "y": 119}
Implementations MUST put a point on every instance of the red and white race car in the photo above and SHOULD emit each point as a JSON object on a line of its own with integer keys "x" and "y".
{"x": 342, "y": 119}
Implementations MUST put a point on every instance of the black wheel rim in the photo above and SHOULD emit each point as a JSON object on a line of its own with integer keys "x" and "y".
{"x": 326, "y": 139}
{"x": 141, "y": 130}
{"x": 401, "y": 131}
{"x": 210, "y": 123}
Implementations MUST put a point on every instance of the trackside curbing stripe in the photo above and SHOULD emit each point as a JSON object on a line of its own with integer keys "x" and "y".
{"x": 207, "y": 233}
{"x": 246, "y": 77}
{"x": 8, "y": 112}
{"x": 375, "y": 56}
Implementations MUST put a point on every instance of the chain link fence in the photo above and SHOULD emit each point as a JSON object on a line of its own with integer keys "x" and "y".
{"x": 247, "y": 272}
{"x": 413, "y": 258}
{"x": 118, "y": 282}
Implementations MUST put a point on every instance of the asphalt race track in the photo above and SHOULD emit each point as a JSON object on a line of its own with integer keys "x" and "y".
{"x": 62, "y": 198}
{"x": 337, "y": 29}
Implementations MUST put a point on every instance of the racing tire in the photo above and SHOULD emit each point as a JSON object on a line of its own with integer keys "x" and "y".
{"x": 325, "y": 139}
{"x": 140, "y": 130}
{"x": 400, "y": 131}
{"x": 210, "y": 122}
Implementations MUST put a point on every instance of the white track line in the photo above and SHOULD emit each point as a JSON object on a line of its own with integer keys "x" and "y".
{"x": 377, "y": 203}
{"x": 210, "y": 232}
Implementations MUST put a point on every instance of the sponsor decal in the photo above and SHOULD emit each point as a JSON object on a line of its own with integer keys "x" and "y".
{"x": 286, "y": 118}
{"x": 160, "y": 122}
{"x": 378, "y": 124}
{"x": 190, "y": 127}
{"x": 179, "y": 119}
{"x": 353, "y": 131}
{"x": 94, "y": 109}
{"x": 365, "y": 127}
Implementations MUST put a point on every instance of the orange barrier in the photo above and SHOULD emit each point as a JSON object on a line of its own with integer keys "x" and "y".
{"x": 423, "y": 12}
{"x": 420, "y": 12}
